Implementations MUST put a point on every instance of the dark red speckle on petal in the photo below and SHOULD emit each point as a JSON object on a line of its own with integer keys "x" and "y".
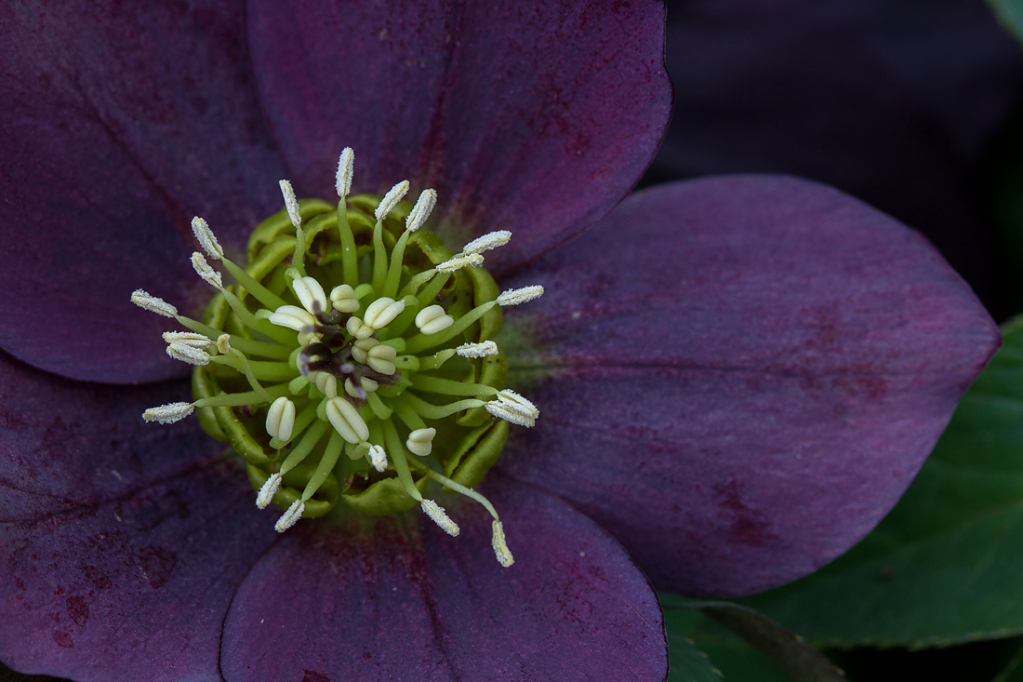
{"x": 310, "y": 676}
{"x": 63, "y": 639}
{"x": 78, "y": 610}
{"x": 157, "y": 565}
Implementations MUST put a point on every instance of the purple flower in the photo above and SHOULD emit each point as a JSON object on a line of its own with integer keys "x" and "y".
{"x": 738, "y": 375}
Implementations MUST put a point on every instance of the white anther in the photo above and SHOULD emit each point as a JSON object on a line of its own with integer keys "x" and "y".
{"x": 204, "y": 235}
{"x": 343, "y": 299}
{"x": 365, "y": 387}
{"x": 356, "y": 328}
{"x": 510, "y": 413}
{"x": 381, "y": 358}
{"x": 382, "y": 312}
{"x": 471, "y": 260}
{"x": 433, "y": 319}
{"x": 514, "y": 398}
{"x": 477, "y": 350}
{"x": 169, "y": 413}
{"x": 517, "y": 296}
{"x": 420, "y": 441}
{"x": 204, "y": 270}
{"x": 346, "y": 420}
{"x": 224, "y": 344}
{"x": 188, "y": 338}
{"x": 291, "y": 203}
{"x": 189, "y": 354}
{"x": 504, "y": 555}
{"x": 326, "y": 384}
{"x": 378, "y": 458}
{"x": 153, "y": 304}
{"x": 290, "y": 517}
{"x": 292, "y": 317}
{"x": 436, "y": 512}
{"x": 491, "y": 240}
{"x": 310, "y": 294}
{"x": 268, "y": 490}
{"x": 280, "y": 419}
{"x": 345, "y": 170}
{"x": 421, "y": 211}
{"x": 391, "y": 199}
{"x": 360, "y": 349}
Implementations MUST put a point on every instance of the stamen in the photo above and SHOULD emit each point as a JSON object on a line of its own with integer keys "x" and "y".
{"x": 459, "y": 262}
{"x": 378, "y": 458}
{"x": 189, "y": 354}
{"x": 193, "y": 339}
{"x": 291, "y": 204}
{"x": 153, "y": 304}
{"x": 343, "y": 299}
{"x": 269, "y": 489}
{"x": 420, "y": 441}
{"x": 224, "y": 344}
{"x": 290, "y": 517}
{"x": 436, "y": 512}
{"x": 517, "y": 296}
{"x": 345, "y": 171}
{"x": 477, "y": 350}
{"x": 510, "y": 396}
{"x": 360, "y": 349}
{"x": 292, "y": 317}
{"x": 381, "y": 358}
{"x": 382, "y": 312}
{"x": 421, "y": 211}
{"x": 357, "y": 329}
{"x": 204, "y": 270}
{"x": 280, "y": 419}
{"x": 433, "y": 319}
{"x": 345, "y": 419}
{"x": 362, "y": 391}
{"x": 487, "y": 242}
{"x": 504, "y": 556}
{"x": 204, "y": 235}
{"x": 169, "y": 413}
{"x": 510, "y": 413}
{"x": 391, "y": 199}
{"x": 310, "y": 294}
{"x": 326, "y": 384}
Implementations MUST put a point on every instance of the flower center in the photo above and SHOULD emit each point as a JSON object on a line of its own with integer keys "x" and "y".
{"x": 351, "y": 362}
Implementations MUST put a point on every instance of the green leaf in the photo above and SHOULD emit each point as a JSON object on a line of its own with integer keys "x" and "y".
{"x": 731, "y": 658}
{"x": 1010, "y": 14}
{"x": 946, "y": 566}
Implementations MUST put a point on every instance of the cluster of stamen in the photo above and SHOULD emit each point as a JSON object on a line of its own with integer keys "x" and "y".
{"x": 338, "y": 344}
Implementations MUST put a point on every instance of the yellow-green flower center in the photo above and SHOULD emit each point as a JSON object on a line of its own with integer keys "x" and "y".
{"x": 352, "y": 360}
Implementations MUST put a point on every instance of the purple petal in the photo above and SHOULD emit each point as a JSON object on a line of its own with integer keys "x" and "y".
{"x": 744, "y": 373}
{"x": 121, "y": 122}
{"x": 65, "y": 444}
{"x": 132, "y": 589}
{"x": 536, "y": 117}
{"x": 399, "y": 599}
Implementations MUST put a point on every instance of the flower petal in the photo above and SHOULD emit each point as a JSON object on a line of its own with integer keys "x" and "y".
{"x": 132, "y": 589}
{"x": 531, "y": 116}
{"x": 399, "y": 599}
{"x": 743, "y": 375}
{"x": 121, "y": 123}
{"x": 65, "y": 444}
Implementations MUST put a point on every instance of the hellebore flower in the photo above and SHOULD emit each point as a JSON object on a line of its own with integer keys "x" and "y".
{"x": 737, "y": 376}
